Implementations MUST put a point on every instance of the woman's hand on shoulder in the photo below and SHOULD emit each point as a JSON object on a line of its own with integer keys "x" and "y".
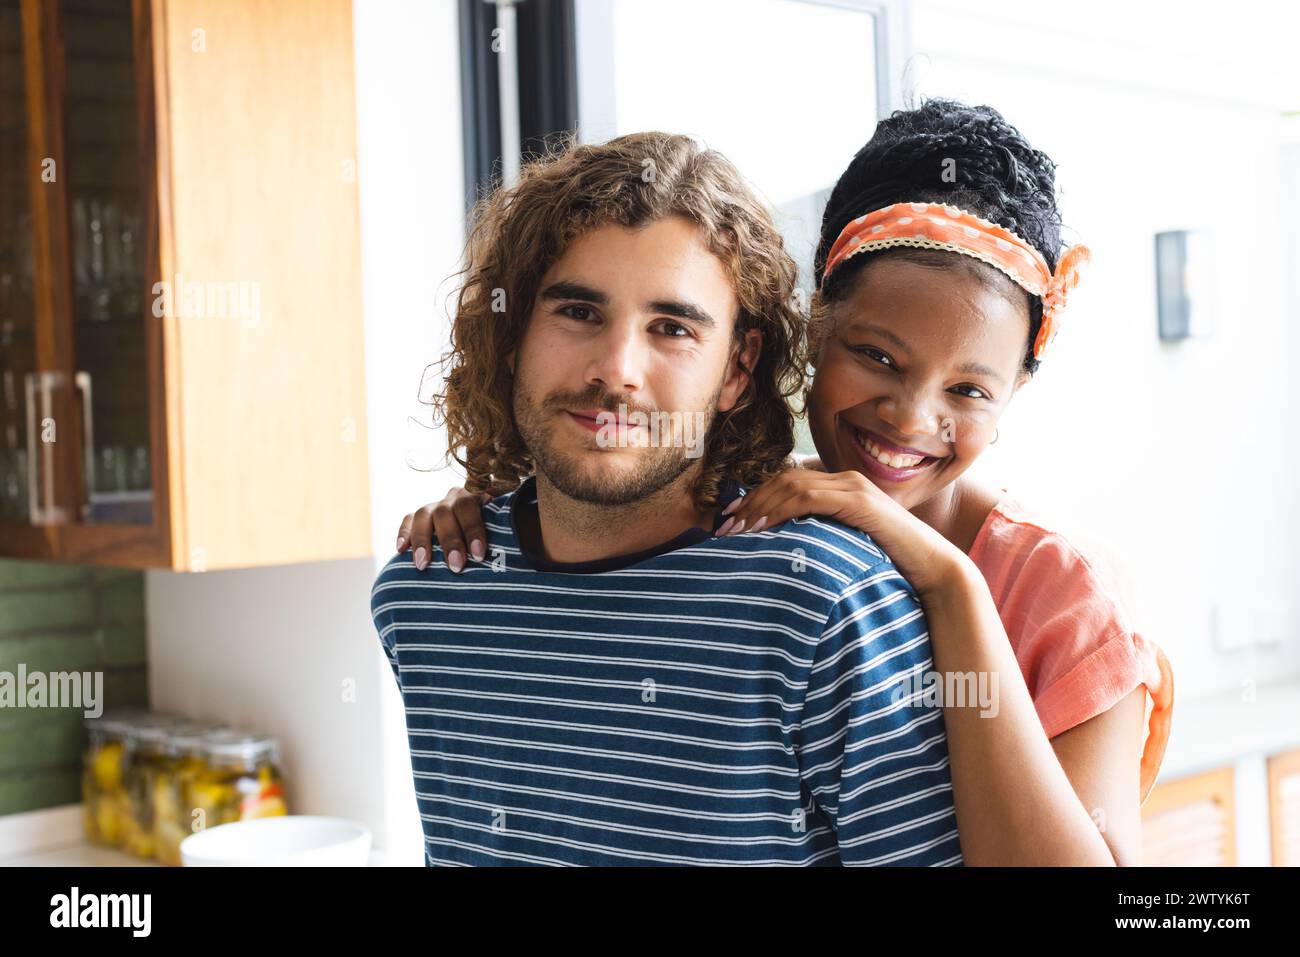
{"x": 923, "y": 556}
{"x": 452, "y": 522}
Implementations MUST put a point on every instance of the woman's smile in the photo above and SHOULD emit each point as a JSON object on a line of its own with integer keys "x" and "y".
{"x": 885, "y": 461}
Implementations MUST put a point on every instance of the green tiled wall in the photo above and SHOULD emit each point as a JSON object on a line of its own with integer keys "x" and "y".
{"x": 56, "y": 617}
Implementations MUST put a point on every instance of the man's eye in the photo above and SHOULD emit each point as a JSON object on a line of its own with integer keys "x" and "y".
{"x": 876, "y": 354}
{"x": 580, "y": 313}
{"x": 677, "y": 325}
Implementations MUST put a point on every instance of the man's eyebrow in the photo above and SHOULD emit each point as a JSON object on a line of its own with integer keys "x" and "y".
{"x": 683, "y": 310}
{"x": 973, "y": 367}
{"x": 564, "y": 289}
{"x": 567, "y": 289}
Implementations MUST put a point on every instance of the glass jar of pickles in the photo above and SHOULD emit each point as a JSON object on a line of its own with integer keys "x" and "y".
{"x": 172, "y": 816}
{"x": 239, "y": 780}
{"x": 104, "y": 804}
{"x": 145, "y": 751}
{"x": 151, "y": 779}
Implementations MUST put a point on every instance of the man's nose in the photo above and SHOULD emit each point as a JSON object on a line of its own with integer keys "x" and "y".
{"x": 619, "y": 358}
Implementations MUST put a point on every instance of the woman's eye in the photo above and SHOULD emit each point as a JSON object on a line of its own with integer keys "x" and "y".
{"x": 979, "y": 394}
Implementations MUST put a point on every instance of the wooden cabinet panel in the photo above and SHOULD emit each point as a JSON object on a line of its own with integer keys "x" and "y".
{"x": 1191, "y": 822}
{"x": 1284, "y": 808}
{"x": 214, "y": 418}
{"x": 260, "y": 163}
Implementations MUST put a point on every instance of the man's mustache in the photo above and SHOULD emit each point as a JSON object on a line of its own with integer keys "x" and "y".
{"x": 605, "y": 405}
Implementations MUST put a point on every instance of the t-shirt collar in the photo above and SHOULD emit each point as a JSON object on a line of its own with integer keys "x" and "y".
{"x": 526, "y": 496}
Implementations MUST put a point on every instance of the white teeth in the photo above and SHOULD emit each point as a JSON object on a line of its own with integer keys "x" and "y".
{"x": 893, "y": 461}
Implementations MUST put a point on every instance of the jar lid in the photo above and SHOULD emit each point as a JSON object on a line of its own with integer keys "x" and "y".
{"x": 232, "y": 745}
{"x": 150, "y": 730}
{"x": 121, "y": 722}
{"x": 188, "y": 740}
{"x": 115, "y": 722}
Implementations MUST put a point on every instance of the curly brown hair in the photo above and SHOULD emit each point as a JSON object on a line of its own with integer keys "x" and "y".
{"x": 518, "y": 233}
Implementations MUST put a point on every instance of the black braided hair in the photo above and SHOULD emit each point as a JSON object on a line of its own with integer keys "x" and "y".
{"x": 947, "y": 152}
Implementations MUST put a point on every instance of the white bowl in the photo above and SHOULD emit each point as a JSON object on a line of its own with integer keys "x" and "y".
{"x": 293, "y": 840}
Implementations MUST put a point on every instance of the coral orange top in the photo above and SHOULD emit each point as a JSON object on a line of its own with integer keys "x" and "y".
{"x": 1061, "y": 609}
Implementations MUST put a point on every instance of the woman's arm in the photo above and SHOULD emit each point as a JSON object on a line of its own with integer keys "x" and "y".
{"x": 1021, "y": 799}
{"x": 1102, "y": 757}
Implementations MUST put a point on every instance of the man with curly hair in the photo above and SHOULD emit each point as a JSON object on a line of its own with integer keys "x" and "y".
{"x": 613, "y": 683}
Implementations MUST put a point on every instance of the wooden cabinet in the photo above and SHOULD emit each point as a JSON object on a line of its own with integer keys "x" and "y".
{"x": 180, "y": 298}
{"x": 1191, "y": 822}
{"x": 1284, "y": 808}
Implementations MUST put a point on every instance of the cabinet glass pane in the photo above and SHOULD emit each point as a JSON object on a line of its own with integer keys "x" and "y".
{"x": 17, "y": 308}
{"x": 106, "y": 221}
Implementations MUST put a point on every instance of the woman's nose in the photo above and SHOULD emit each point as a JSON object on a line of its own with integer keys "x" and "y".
{"x": 909, "y": 416}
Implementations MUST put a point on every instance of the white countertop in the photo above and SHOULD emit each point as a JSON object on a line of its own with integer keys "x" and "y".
{"x": 81, "y": 854}
{"x": 53, "y": 837}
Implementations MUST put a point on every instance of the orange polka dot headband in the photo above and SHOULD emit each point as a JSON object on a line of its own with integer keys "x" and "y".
{"x": 939, "y": 226}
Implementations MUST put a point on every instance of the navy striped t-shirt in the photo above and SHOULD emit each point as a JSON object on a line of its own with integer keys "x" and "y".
{"x": 711, "y": 701}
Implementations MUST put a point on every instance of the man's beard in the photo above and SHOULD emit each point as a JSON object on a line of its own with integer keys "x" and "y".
{"x": 656, "y": 466}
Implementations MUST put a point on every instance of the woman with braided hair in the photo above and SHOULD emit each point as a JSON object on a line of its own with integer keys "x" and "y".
{"x": 941, "y": 279}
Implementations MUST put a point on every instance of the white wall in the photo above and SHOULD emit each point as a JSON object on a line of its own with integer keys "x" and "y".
{"x": 1160, "y": 116}
{"x": 412, "y": 232}
{"x": 272, "y": 648}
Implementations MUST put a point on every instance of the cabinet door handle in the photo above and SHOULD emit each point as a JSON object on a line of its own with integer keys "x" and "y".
{"x": 42, "y": 510}
{"x": 33, "y": 493}
{"x": 88, "y": 447}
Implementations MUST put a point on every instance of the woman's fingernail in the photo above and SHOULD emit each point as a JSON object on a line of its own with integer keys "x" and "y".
{"x": 739, "y": 526}
{"x": 722, "y": 529}
{"x": 456, "y": 561}
{"x": 476, "y": 549}
{"x": 421, "y": 557}
{"x": 735, "y": 504}
{"x": 759, "y": 524}
{"x": 401, "y": 540}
